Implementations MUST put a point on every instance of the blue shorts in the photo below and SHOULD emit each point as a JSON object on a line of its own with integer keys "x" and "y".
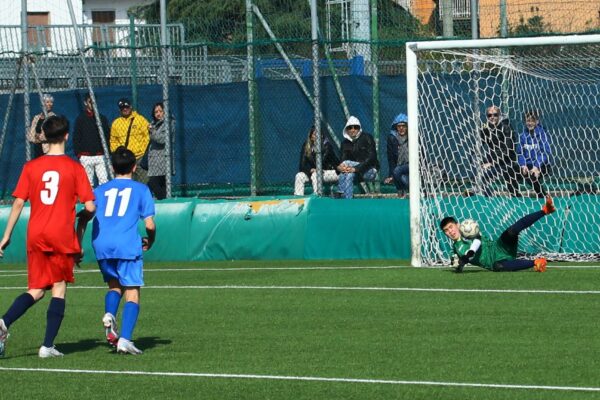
{"x": 127, "y": 272}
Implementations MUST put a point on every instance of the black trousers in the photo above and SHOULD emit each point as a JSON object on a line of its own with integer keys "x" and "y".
{"x": 158, "y": 186}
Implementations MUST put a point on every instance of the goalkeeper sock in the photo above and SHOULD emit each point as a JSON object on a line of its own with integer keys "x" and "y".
{"x": 111, "y": 302}
{"x": 526, "y": 222}
{"x": 512, "y": 265}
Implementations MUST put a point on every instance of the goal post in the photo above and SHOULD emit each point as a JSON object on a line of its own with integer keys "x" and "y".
{"x": 450, "y": 85}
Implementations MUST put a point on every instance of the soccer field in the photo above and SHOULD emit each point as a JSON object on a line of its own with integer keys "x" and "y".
{"x": 319, "y": 330}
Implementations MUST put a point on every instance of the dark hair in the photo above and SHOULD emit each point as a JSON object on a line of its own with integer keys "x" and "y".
{"x": 123, "y": 160}
{"x": 532, "y": 115}
{"x": 446, "y": 221}
{"x": 161, "y": 104}
{"x": 55, "y": 128}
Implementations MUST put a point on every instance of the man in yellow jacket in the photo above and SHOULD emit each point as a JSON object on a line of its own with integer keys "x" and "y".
{"x": 131, "y": 130}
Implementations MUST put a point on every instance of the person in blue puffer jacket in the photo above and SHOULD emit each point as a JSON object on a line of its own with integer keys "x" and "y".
{"x": 534, "y": 153}
{"x": 397, "y": 154}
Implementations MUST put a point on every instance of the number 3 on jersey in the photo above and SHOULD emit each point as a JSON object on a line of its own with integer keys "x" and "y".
{"x": 112, "y": 195}
{"x": 48, "y": 194}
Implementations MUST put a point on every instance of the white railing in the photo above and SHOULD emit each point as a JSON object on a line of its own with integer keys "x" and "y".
{"x": 461, "y": 9}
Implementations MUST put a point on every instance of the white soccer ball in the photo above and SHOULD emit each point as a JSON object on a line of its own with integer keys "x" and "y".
{"x": 469, "y": 228}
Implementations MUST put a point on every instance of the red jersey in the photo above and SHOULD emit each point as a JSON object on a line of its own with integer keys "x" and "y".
{"x": 52, "y": 184}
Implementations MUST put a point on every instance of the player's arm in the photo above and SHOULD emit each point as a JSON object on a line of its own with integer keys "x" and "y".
{"x": 13, "y": 217}
{"x": 83, "y": 217}
{"x": 466, "y": 258}
{"x": 148, "y": 241}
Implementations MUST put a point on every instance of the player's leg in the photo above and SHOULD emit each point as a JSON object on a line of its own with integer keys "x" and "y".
{"x": 512, "y": 265}
{"x": 112, "y": 299}
{"x": 511, "y": 234}
{"x": 19, "y": 307}
{"x": 538, "y": 265}
{"x": 131, "y": 311}
{"x": 54, "y": 318}
{"x": 131, "y": 279}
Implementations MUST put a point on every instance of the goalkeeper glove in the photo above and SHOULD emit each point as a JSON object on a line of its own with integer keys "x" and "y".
{"x": 464, "y": 260}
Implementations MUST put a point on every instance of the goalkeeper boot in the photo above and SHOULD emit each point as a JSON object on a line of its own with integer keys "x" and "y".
{"x": 3, "y": 336}
{"x": 539, "y": 264}
{"x": 125, "y": 346}
{"x": 548, "y": 208}
{"x": 110, "y": 328}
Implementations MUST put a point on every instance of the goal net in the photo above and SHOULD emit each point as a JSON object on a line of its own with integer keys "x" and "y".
{"x": 494, "y": 126}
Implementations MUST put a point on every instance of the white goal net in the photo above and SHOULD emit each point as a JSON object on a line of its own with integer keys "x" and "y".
{"x": 499, "y": 124}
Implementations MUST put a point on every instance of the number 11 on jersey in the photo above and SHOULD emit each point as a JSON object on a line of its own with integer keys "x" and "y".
{"x": 112, "y": 195}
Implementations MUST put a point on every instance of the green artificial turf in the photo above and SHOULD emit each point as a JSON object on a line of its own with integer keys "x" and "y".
{"x": 277, "y": 330}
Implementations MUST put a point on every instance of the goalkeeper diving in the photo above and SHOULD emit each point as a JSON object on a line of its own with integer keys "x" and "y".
{"x": 495, "y": 255}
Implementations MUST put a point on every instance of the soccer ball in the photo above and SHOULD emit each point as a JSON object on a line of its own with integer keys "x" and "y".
{"x": 469, "y": 228}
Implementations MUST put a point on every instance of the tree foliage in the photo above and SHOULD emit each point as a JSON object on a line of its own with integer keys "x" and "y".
{"x": 224, "y": 21}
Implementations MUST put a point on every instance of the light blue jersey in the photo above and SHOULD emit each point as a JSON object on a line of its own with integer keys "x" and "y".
{"x": 120, "y": 204}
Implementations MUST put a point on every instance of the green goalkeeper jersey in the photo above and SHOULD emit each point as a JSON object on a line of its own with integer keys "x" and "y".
{"x": 489, "y": 253}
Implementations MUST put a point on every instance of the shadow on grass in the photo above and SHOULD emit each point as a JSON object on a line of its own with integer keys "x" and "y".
{"x": 467, "y": 271}
{"x": 80, "y": 346}
{"x": 149, "y": 342}
{"x": 143, "y": 343}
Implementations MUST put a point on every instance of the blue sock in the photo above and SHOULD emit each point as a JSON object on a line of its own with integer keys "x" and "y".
{"x": 54, "y": 317}
{"x": 130, "y": 316}
{"x": 18, "y": 308}
{"x": 111, "y": 302}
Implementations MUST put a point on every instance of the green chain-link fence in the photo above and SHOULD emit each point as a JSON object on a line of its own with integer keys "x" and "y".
{"x": 240, "y": 76}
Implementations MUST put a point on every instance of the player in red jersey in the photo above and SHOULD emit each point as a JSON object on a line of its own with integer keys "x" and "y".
{"x": 52, "y": 184}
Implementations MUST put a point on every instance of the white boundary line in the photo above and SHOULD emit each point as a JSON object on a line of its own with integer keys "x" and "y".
{"x": 341, "y": 288}
{"x": 307, "y": 378}
{"x": 22, "y": 272}
{"x": 233, "y": 269}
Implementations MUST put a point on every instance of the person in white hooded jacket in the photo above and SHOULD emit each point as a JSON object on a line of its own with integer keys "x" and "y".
{"x": 359, "y": 158}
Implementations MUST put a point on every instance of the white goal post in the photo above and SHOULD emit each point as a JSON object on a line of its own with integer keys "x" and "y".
{"x": 454, "y": 89}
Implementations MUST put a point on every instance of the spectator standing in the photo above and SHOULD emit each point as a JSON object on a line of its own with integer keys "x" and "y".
{"x": 35, "y": 134}
{"x": 397, "y": 154}
{"x": 52, "y": 184}
{"x": 87, "y": 143}
{"x": 534, "y": 153}
{"x": 308, "y": 163}
{"x": 158, "y": 158}
{"x": 359, "y": 158}
{"x": 500, "y": 160}
{"x": 130, "y": 130}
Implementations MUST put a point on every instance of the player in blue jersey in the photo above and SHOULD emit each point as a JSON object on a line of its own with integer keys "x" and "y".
{"x": 500, "y": 254}
{"x": 120, "y": 204}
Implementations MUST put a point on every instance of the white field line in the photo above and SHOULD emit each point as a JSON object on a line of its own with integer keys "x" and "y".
{"x": 231, "y": 269}
{"x": 338, "y": 288}
{"x": 306, "y": 378}
{"x": 22, "y": 272}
